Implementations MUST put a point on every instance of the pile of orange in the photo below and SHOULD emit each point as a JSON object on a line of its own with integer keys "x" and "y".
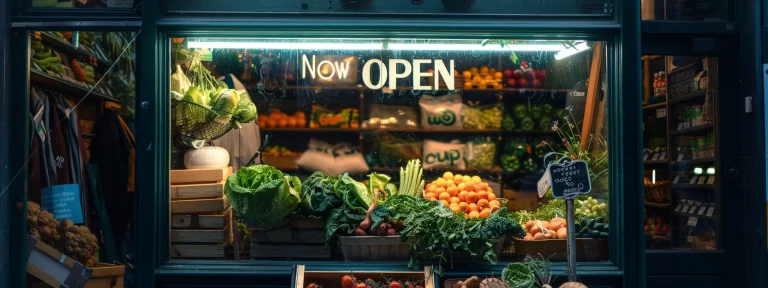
{"x": 279, "y": 119}
{"x": 465, "y": 194}
{"x": 482, "y": 78}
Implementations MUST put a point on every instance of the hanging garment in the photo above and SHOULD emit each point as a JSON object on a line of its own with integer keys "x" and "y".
{"x": 244, "y": 142}
{"x": 132, "y": 158}
{"x": 110, "y": 151}
{"x": 58, "y": 140}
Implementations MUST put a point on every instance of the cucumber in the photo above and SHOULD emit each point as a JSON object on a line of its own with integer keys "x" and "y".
{"x": 591, "y": 224}
{"x": 603, "y": 235}
{"x": 599, "y": 226}
{"x": 42, "y": 55}
{"x": 594, "y": 233}
{"x": 605, "y": 229}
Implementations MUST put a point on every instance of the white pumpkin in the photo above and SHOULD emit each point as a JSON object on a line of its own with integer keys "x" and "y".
{"x": 209, "y": 157}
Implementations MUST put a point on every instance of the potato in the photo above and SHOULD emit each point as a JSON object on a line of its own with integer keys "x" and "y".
{"x": 535, "y": 229}
{"x": 562, "y": 233}
{"x": 529, "y": 225}
{"x": 557, "y": 223}
{"x": 548, "y": 235}
{"x": 538, "y": 236}
{"x": 528, "y": 237}
{"x": 544, "y": 224}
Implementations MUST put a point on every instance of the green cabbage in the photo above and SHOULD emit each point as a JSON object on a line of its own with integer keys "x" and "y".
{"x": 355, "y": 195}
{"x": 517, "y": 275}
{"x": 262, "y": 195}
{"x": 246, "y": 110}
{"x": 317, "y": 195}
{"x": 224, "y": 105}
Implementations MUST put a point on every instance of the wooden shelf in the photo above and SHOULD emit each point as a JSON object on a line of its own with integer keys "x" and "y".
{"x": 694, "y": 186}
{"x": 66, "y": 47}
{"x": 693, "y": 130}
{"x": 394, "y": 129}
{"x": 689, "y": 96}
{"x": 686, "y": 214}
{"x": 657, "y": 105}
{"x": 495, "y": 169}
{"x": 694, "y": 161}
{"x": 66, "y": 87}
{"x": 518, "y": 132}
{"x": 657, "y": 205}
{"x": 651, "y": 162}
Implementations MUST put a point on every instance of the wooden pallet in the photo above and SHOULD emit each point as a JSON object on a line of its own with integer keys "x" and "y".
{"x": 293, "y": 239}
{"x": 194, "y": 176}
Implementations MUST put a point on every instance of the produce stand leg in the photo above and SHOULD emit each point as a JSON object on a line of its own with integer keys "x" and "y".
{"x": 571, "y": 240}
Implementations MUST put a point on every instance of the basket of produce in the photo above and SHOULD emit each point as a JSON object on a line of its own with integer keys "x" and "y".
{"x": 280, "y": 157}
{"x": 417, "y": 278}
{"x": 657, "y": 192}
{"x": 481, "y": 153}
{"x": 549, "y": 238}
{"x": 374, "y": 248}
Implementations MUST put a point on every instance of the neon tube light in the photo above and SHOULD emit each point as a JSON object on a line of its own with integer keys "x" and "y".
{"x": 571, "y": 51}
{"x": 473, "y": 47}
{"x": 285, "y": 45}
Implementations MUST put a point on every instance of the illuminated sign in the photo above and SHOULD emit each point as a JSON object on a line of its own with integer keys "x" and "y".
{"x": 337, "y": 68}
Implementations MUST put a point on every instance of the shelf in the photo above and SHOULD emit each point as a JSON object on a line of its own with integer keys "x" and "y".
{"x": 530, "y": 133}
{"x": 495, "y": 169}
{"x": 657, "y": 237}
{"x": 657, "y": 205}
{"x": 686, "y": 214}
{"x": 689, "y": 27}
{"x": 694, "y": 186}
{"x": 64, "y": 86}
{"x": 689, "y": 96}
{"x": 68, "y": 48}
{"x": 397, "y": 129}
{"x": 694, "y": 161}
{"x": 363, "y": 88}
{"x": 657, "y": 105}
{"x": 693, "y": 130}
{"x": 651, "y": 162}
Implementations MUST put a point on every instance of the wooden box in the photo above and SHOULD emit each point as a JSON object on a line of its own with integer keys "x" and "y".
{"x": 587, "y": 249}
{"x": 374, "y": 248}
{"x": 190, "y": 176}
{"x": 301, "y": 238}
{"x": 105, "y": 275}
{"x": 53, "y": 267}
{"x": 332, "y": 279}
{"x": 281, "y": 162}
{"x": 201, "y": 235}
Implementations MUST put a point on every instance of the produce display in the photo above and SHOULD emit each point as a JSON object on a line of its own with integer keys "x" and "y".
{"x": 262, "y": 195}
{"x": 482, "y": 78}
{"x": 279, "y": 119}
{"x": 590, "y": 207}
{"x": 324, "y": 117}
{"x": 483, "y": 117}
{"x": 524, "y": 76}
{"x": 466, "y": 194}
{"x": 350, "y": 281}
{"x": 656, "y": 226}
{"x": 74, "y": 241}
{"x": 543, "y": 230}
{"x": 481, "y": 153}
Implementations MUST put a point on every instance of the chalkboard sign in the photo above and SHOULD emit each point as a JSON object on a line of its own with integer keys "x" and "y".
{"x": 569, "y": 178}
{"x": 680, "y": 81}
{"x": 63, "y": 201}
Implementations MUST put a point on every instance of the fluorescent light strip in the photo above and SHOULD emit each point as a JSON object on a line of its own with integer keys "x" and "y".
{"x": 473, "y": 47}
{"x": 571, "y": 51}
{"x": 286, "y": 45}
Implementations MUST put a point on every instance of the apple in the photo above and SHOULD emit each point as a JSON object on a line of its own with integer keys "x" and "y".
{"x": 536, "y": 83}
{"x": 541, "y": 74}
{"x": 517, "y": 73}
{"x": 531, "y": 75}
{"x": 511, "y": 82}
{"x": 522, "y": 83}
{"x": 507, "y": 73}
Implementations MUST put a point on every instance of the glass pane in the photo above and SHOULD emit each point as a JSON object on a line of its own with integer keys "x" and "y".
{"x": 81, "y": 155}
{"x": 681, "y": 188}
{"x": 83, "y": 4}
{"x": 684, "y": 10}
{"x": 595, "y": 8}
{"x": 479, "y": 116}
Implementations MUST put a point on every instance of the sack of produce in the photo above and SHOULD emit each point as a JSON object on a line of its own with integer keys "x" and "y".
{"x": 441, "y": 112}
{"x": 391, "y": 116}
{"x": 439, "y": 155}
{"x": 482, "y": 117}
{"x": 319, "y": 157}
{"x": 394, "y": 152}
{"x": 323, "y": 117}
{"x": 262, "y": 195}
{"x": 481, "y": 153}
{"x": 347, "y": 160}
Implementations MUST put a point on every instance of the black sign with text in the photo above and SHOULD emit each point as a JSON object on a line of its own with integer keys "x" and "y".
{"x": 569, "y": 179}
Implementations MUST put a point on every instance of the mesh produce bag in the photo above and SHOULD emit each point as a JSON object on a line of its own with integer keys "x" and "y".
{"x": 197, "y": 122}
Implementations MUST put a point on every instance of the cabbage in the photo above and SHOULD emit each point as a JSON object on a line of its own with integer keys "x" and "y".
{"x": 355, "y": 195}
{"x": 245, "y": 111}
{"x": 262, "y": 195}
{"x": 317, "y": 195}
{"x": 224, "y": 105}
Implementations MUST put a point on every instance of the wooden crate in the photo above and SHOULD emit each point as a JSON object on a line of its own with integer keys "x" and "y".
{"x": 201, "y": 235}
{"x": 191, "y": 176}
{"x": 374, "y": 248}
{"x": 105, "y": 275}
{"x": 292, "y": 239}
{"x": 332, "y": 279}
{"x": 587, "y": 249}
{"x": 199, "y": 190}
{"x": 53, "y": 267}
{"x": 199, "y": 206}
{"x": 201, "y": 221}
{"x": 281, "y": 162}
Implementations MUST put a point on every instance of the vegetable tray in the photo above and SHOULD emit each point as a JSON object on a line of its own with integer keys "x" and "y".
{"x": 374, "y": 248}
{"x": 53, "y": 267}
{"x": 332, "y": 279}
{"x": 105, "y": 275}
{"x": 587, "y": 249}
{"x": 298, "y": 238}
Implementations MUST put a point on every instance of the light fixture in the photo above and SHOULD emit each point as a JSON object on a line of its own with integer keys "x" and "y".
{"x": 472, "y": 47}
{"x": 698, "y": 171}
{"x": 328, "y": 45}
{"x": 653, "y": 176}
{"x": 571, "y": 51}
{"x": 285, "y": 45}
{"x": 711, "y": 171}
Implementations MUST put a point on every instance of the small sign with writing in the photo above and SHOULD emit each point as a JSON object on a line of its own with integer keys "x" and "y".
{"x": 663, "y": 155}
{"x": 694, "y": 179}
{"x": 702, "y": 179}
{"x": 544, "y": 184}
{"x": 63, "y": 201}
{"x": 711, "y": 179}
{"x": 661, "y": 113}
{"x": 569, "y": 178}
{"x": 710, "y": 211}
{"x": 692, "y": 221}
{"x": 678, "y": 207}
{"x": 656, "y": 157}
{"x": 677, "y": 178}
{"x": 693, "y": 209}
{"x": 702, "y": 210}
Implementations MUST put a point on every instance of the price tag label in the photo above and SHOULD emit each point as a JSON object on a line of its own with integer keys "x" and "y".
{"x": 679, "y": 156}
{"x": 710, "y": 211}
{"x": 692, "y": 210}
{"x": 661, "y": 113}
{"x": 692, "y": 221}
{"x": 702, "y": 210}
{"x": 645, "y": 157}
{"x": 711, "y": 179}
{"x": 687, "y": 125}
{"x": 702, "y": 179}
{"x": 694, "y": 179}
{"x": 680, "y": 126}
{"x": 663, "y": 155}
{"x": 677, "y": 178}
{"x": 678, "y": 207}
{"x": 656, "y": 157}
{"x": 544, "y": 184}
{"x": 685, "y": 208}
{"x": 37, "y": 35}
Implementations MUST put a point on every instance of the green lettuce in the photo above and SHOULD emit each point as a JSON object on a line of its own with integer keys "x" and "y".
{"x": 262, "y": 195}
{"x": 317, "y": 195}
{"x": 378, "y": 181}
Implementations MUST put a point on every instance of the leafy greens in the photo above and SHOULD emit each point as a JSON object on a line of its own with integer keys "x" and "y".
{"x": 262, "y": 195}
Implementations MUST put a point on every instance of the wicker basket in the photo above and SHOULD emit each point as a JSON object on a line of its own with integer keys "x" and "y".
{"x": 658, "y": 192}
{"x": 451, "y": 283}
{"x": 586, "y": 249}
{"x": 374, "y": 248}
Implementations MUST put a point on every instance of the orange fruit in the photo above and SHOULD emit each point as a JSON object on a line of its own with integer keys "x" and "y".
{"x": 463, "y": 195}
{"x": 494, "y": 203}
{"x": 481, "y": 194}
{"x": 464, "y": 206}
{"x": 439, "y": 190}
{"x": 484, "y": 70}
{"x": 292, "y": 122}
{"x": 485, "y": 213}
{"x": 469, "y": 186}
{"x": 282, "y": 122}
{"x": 471, "y": 197}
{"x": 453, "y": 191}
{"x": 481, "y": 186}
{"x": 466, "y": 74}
{"x": 461, "y": 186}
{"x": 491, "y": 196}
{"x": 482, "y": 203}
{"x": 473, "y": 70}
{"x": 498, "y": 75}
{"x": 445, "y": 203}
{"x": 474, "y": 214}
{"x": 468, "y": 85}
{"x": 430, "y": 195}
{"x": 455, "y": 200}
{"x": 482, "y": 86}
{"x": 444, "y": 196}
{"x": 473, "y": 207}
{"x": 432, "y": 199}
{"x": 455, "y": 209}
{"x": 431, "y": 187}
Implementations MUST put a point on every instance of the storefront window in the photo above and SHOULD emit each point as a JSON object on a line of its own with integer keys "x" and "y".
{"x": 682, "y": 204}
{"x": 680, "y": 10}
{"x": 81, "y": 152}
{"x": 83, "y": 4}
{"x": 450, "y": 138}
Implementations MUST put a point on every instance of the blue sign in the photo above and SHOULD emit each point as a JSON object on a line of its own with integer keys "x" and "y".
{"x": 569, "y": 178}
{"x": 63, "y": 201}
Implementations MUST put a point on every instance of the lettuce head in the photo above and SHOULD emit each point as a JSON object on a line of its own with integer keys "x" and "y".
{"x": 262, "y": 195}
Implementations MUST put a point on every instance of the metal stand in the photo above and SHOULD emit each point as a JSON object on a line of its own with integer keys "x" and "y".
{"x": 571, "y": 240}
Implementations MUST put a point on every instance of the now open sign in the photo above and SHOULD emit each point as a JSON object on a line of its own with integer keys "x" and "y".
{"x": 569, "y": 178}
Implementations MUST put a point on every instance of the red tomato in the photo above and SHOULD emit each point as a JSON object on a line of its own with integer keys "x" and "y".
{"x": 347, "y": 282}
